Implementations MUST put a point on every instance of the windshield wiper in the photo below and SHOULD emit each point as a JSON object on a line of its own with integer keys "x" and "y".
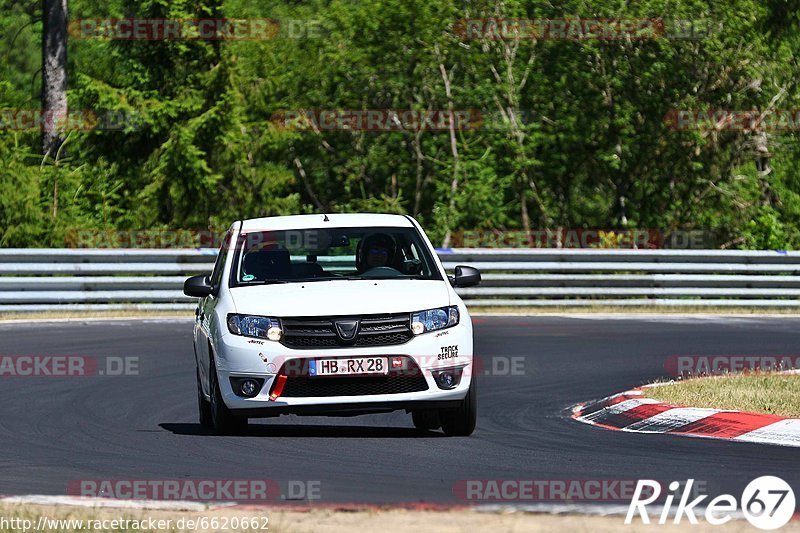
{"x": 266, "y": 281}
{"x": 407, "y": 276}
{"x": 367, "y": 278}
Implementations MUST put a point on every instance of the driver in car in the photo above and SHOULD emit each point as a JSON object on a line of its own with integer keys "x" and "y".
{"x": 377, "y": 250}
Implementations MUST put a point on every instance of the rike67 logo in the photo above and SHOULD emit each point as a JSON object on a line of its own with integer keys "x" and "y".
{"x": 767, "y": 502}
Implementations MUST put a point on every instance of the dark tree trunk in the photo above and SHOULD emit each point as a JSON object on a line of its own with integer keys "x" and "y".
{"x": 54, "y": 74}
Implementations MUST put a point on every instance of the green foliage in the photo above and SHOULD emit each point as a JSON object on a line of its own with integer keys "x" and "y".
{"x": 576, "y": 133}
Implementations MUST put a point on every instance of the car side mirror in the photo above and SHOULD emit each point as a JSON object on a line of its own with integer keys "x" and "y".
{"x": 198, "y": 286}
{"x": 466, "y": 276}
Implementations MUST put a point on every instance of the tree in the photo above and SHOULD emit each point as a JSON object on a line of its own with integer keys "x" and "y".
{"x": 54, "y": 74}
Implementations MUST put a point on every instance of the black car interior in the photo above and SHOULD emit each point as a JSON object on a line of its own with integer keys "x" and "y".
{"x": 274, "y": 262}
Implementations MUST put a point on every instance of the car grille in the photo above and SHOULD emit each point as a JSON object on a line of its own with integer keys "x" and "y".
{"x": 309, "y": 333}
{"x": 410, "y": 379}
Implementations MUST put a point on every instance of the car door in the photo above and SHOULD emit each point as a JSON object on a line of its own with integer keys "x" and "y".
{"x": 205, "y": 310}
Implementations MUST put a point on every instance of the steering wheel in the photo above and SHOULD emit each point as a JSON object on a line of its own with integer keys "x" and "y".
{"x": 381, "y": 272}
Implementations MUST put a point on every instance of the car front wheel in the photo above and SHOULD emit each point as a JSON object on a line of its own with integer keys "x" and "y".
{"x": 224, "y": 422}
{"x": 460, "y": 422}
{"x": 203, "y": 405}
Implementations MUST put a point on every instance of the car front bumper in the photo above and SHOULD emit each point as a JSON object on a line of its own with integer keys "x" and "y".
{"x": 239, "y": 357}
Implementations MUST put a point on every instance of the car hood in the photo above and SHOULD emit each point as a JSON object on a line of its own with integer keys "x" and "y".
{"x": 344, "y": 297}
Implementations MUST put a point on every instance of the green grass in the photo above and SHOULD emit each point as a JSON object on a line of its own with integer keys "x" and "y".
{"x": 772, "y": 393}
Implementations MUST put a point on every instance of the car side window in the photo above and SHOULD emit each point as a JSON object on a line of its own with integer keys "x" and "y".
{"x": 219, "y": 266}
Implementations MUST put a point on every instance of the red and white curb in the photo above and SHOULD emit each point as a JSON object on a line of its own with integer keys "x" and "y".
{"x": 631, "y": 411}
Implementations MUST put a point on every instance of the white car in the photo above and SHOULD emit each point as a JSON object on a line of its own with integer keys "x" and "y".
{"x": 333, "y": 315}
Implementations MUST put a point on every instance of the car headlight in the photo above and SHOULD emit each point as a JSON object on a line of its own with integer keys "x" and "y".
{"x": 255, "y": 326}
{"x": 433, "y": 319}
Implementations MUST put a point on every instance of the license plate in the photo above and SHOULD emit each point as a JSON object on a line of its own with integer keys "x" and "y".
{"x": 349, "y": 366}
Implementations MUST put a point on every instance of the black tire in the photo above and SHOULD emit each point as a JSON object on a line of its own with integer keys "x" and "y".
{"x": 460, "y": 422}
{"x": 224, "y": 422}
{"x": 203, "y": 406}
{"x": 426, "y": 420}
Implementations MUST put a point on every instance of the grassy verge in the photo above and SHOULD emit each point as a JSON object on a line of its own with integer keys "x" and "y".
{"x": 387, "y": 521}
{"x": 772, "y": 393}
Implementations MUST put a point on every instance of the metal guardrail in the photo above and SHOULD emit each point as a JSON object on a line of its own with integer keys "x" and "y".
{"x": 111, "y": 279}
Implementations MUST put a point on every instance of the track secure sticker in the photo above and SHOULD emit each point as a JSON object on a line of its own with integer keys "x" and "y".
{"x": 448, "y": 352}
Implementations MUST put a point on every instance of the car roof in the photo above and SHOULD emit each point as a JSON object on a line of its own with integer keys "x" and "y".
{"x": 335, "y": 220}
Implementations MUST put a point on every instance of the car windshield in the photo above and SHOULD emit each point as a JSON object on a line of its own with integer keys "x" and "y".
{"x": 324, "y": 254}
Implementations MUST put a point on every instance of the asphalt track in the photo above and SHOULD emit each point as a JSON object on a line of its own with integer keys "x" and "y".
{"x": 57, "y": 430}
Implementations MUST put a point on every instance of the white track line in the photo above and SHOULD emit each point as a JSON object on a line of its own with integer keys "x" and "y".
{"x": 587, "y": 509}
{"x": 75, "y": 501}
